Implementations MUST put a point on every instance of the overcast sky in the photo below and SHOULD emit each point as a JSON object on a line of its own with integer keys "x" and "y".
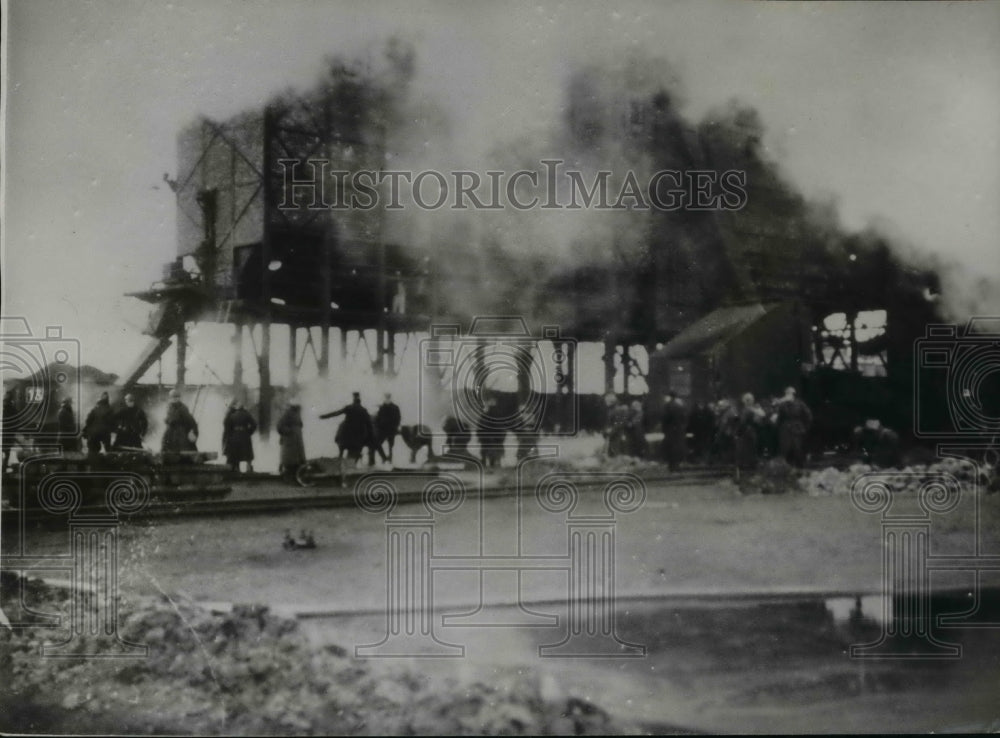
{"x": 891, "y": 109}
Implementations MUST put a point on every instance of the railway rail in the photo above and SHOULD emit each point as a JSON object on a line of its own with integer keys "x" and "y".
{"x": 317, "y": 497}
{"x": 209, "y": 498}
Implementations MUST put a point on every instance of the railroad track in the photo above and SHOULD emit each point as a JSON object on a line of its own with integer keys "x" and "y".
{"x": 331, "y": 496}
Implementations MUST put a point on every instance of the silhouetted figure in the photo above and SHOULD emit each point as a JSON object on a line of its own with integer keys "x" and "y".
{"x": 131, "y": 425}
{"x": 727, "y": 421}
{"x": 635, "y": 430}
{"x": 67, "y": 438}
{"x": 456, "y": 438}
{"x": 238, "y": 429}
{"x": 876, "y": 444}
{"x": 616, "y": 439}
{"x": 491, "y": 434}
{"x": 181, "y": 432}
{"x": 387, "y": 421}
{"x": 701, "y": 426}
{"x": 794, "y": 419}
{"x": 674, "y": 423}
{"x": 749, "y": 418}
{"x": 99, "y": 426}
{"x": 293, "y": 449}
{"x": 355, "y": 433}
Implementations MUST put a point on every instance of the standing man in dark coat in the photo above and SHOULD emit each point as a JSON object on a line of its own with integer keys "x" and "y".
{"x": 674, "y": 422}
{"x": 701, "y": 426}
{"x": 491, "y": 434}
{"x": 794, "y": 419}
{"x": 99, "y": 426}
{"x": 130, "y": 425}
{"x": 181, "y": 432}
{"x": 239, "y": 426}
{"x": 750, "y": 417}
{"x": 66, "y": 420}
{"x": 355, "y": 432}
{"x": 614, "y": 428}
{"x": 387, "y": 421}
{"x": 456, "y": 438}
{"x": 293, "y": 450}
{"x": 225, "y": 427}
{"x": 635, "y": 430}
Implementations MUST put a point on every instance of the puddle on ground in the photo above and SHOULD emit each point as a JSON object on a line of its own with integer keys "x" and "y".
{"x": 778, "y": 664}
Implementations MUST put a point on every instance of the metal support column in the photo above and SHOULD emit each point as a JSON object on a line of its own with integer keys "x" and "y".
{"x": 264, "y": 364}
{"x": 380, "y": 326}
{"x": 181, "y": 357}
{"x": 267, "y": 196}
{"x": 610, "y": 348}
{"x": 390, "y": 352}
{"x": 293, "y": 355}
{"x": 238, "y": 360}
{"x": 324, "y": 351}
{"x": 852, "y": 317}
{"x": 626, "y": 369}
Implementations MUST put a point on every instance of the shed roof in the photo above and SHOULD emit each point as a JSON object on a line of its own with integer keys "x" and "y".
{"x": 714, "y": 329}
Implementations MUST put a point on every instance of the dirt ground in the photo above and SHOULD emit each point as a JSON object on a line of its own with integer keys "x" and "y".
{"x": 684, "y": 540}
{"x": 684, "y": 562}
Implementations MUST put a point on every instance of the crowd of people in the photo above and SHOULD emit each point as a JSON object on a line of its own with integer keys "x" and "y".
{"x": 360, "y": 432}
{"x": 736, "y": 433}
{"x": 726, "y": 432}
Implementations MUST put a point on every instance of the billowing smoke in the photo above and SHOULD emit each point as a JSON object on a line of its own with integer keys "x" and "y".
{"x": 636, "y": 268}
{"x": 632, "y": 269}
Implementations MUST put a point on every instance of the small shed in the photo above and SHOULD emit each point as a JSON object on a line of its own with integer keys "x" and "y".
{"x": 759, "y": 348}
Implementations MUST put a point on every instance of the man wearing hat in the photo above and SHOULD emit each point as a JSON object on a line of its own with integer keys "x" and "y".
{"x": 614, "y": 428}
{"x": 293, "y": 450}
{"x": 66, "y": 421}
{"x": 99, "y": 425}
{"x": 794, "y": 419}
{"x": 387, "y": 420}
{"x": 356, "y": 432}
{"x": 130, "y": 424}
{"x": 238, "y": 429}
{"x": 673, "y": 423}
{"x": 181, "y": 429}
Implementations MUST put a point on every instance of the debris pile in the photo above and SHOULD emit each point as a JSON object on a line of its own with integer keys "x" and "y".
{"x": 248, "y": 672}
{"x": 908, "y": 480}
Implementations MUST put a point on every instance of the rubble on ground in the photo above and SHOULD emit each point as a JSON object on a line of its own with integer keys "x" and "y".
{"x": 250, "y": 671}
{"x": 775, "y": 476}
{"x": 905, "y": 480}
